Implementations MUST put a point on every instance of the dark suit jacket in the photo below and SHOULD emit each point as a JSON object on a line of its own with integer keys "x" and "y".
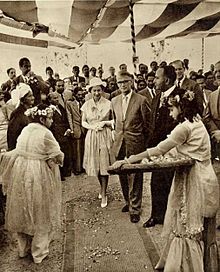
{"x": 6, "y": 88}
{"x": 135, "y": 130}
{"x": 18, "y": 121}
{"x": 162, "y": 122}
{"x": 191, "y": 85}
{"x": 79, "y": 79}
{"x": 75, "y": 119}
{"x": 60, "y": 125}
{"x": 212, "y": 117}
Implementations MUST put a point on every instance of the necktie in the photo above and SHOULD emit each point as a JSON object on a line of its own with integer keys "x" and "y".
{"x": 178, "y": 83}
{"x": 124, "y": 105}
{"x": 62, "y": 97}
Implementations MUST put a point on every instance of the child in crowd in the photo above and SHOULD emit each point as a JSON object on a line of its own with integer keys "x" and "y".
{"x": 194, "y": 191}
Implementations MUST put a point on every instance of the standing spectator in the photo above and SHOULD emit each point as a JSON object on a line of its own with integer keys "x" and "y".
{"x": 31, "y": 182}
{"x": 212, "y": 122}
{"x": 3, "y": 146}
{"x": 76, "y": 77}
{"x": 209, "y": 81}
{"x": 154, "y": 66}
{"x": 96, "y": 117}
{"x": 56, "y": 76}
{"x": 59, "y": 88}
{"x": 193, "y": 75}
{"x": 73, "y": 108}
{"x": 6, "y": 87}
{"x": 93, "y": 71}
{"x": 112, "y": 76}
{"x": 143, "y": 69}
{"x": 36, "y": 83}
{"x": 51, "y": 81}
{"x": 206, "y": 93}
{"x": 123, "y": 67}
{"x": 23, "y": 97}
{"x": 61, "y": 132}
{"x": 141, "y": 85}
{"x": 132, "y": 129}
{"x": 149, "y": 92}
{"x": 187, "y": 84}
{"x": 162, "y": 124}
{"x": 85, "y": 70}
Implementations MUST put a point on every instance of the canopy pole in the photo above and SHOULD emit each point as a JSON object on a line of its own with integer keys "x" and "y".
{"x": 203, "y": 52}
{"x": 133, "y": 39}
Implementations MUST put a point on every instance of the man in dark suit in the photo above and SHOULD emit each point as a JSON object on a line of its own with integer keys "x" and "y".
{"x": 61, "y": 131}
{"x": 76, "y": 77}
{"x": 132, "y": 129}
{"x": 212, "y": 123}
{"x": 36, "y": 83}
{"x": 162, "y": 124}
{"x": 6, "y": 87}
{"x": 187, "y": 84}
{"x": 149, "y": 91}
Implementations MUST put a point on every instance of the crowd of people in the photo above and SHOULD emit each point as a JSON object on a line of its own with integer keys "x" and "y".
{"x": 85, "y": 123}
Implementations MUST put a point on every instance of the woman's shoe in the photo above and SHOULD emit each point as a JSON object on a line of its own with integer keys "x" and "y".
{"x": 99, "y": 196}
{"x": 104, "y": 203}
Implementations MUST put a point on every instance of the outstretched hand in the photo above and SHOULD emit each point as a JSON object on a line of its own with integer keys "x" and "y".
{"x": 118, "y": 164}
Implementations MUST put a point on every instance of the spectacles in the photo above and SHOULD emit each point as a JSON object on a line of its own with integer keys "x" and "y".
{"x": 123, "y": 81}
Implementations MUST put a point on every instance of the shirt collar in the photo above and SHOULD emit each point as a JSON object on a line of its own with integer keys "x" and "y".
{"x": 169, "y": 91}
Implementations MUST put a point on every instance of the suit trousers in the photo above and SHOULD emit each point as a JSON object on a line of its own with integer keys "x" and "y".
{"x": 132, "y": 186}
{"x": 160, "y": 188}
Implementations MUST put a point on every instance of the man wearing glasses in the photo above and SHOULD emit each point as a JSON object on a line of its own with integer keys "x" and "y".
{"x": 132, "y": 130}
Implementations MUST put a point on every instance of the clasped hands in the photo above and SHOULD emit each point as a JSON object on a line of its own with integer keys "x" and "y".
{"x": 99, "y": 126}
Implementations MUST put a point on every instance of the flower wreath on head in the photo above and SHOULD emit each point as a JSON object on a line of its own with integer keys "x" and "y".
{"x": 32, "y": 112}
{"x": 175, "y": 100}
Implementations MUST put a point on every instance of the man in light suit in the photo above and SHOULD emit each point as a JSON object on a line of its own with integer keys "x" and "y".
{"x": 187, "y": 84}
{"x": 132, "y": 129}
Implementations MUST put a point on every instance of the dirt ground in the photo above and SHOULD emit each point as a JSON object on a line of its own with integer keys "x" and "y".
{"x": 85, "y": 190}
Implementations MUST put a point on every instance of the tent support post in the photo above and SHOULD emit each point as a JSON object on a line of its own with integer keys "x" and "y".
{"x": 203, "y": 52}
{"x": 133, "y": 39}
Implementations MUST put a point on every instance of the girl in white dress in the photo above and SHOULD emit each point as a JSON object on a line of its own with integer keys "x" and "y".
{"x": 31, "y": 181}
{"x": 194, "y": 191}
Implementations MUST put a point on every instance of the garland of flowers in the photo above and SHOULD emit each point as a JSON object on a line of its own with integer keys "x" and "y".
{"x": 32, "y": 112}
{"x": 175, "y": 100}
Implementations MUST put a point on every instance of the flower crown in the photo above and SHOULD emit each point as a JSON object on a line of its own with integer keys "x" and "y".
{"x": 35, "y": 111}
{"x": 175, "y": 100}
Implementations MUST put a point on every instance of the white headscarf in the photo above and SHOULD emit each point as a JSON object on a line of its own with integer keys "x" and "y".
{"x": 19, "y": 92}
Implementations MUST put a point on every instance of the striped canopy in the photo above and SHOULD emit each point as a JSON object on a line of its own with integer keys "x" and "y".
{"x": 69, "y": 23}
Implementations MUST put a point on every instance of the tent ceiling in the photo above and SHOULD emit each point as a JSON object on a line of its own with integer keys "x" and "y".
{"x": 71, "y": 22}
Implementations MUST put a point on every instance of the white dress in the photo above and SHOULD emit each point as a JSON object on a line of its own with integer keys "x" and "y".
{"x": 33, "y": 189}
{"x": 193, "y": 196}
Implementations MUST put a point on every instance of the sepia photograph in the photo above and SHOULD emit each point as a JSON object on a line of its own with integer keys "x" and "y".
{"x": 110, "y": 136}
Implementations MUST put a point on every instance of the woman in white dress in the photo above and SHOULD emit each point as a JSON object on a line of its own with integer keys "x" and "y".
{"x": 31, "y": 181}
{"x": 96, "y": 117}
{"x": 194, "y": 191}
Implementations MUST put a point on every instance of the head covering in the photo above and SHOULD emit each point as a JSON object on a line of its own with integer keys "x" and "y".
{"x": 96, "y": 81}
{"x": 19, "y": 92}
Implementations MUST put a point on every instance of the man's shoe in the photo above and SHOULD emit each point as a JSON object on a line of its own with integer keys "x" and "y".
{"x": 125, "y": 208}
{"x": 151, "y": 222}
{"x": 135, "y": 218}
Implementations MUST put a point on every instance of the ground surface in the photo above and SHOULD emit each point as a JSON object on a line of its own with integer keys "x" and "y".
{"x": 92, "y": 238}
